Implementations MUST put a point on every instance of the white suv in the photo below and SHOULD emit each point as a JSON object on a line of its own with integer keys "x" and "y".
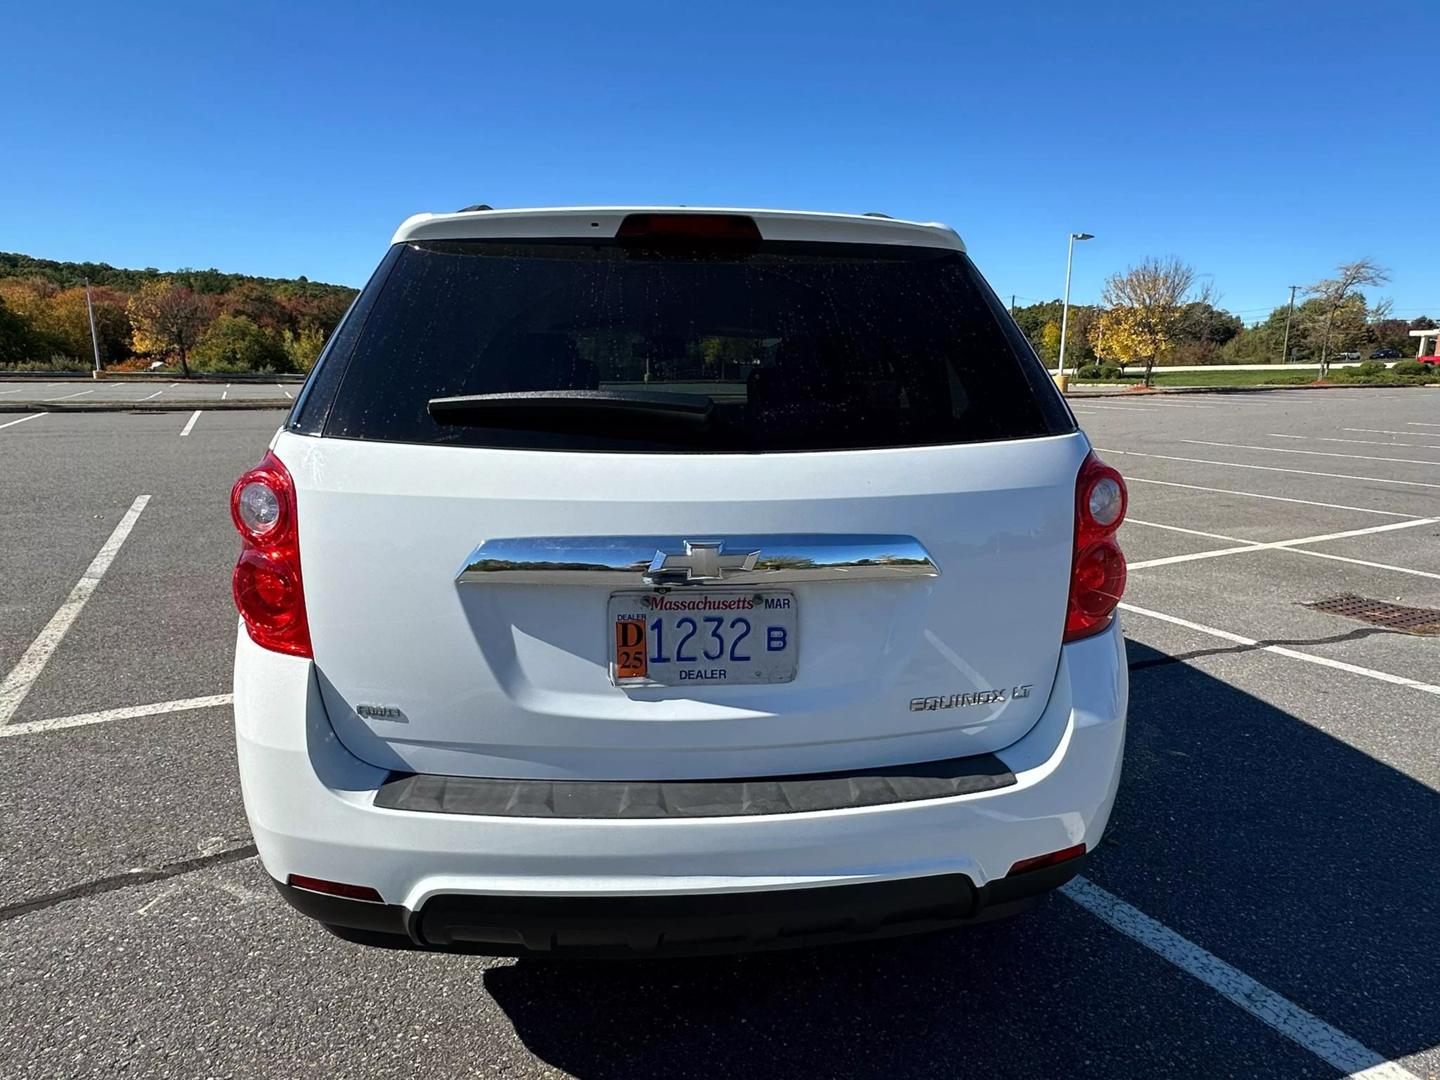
{"x": 643, "y": 579}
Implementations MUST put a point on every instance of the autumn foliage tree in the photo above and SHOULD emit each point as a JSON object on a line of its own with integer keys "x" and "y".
{"x": 1145, "y": 306}
{"x": 169, "y": 318}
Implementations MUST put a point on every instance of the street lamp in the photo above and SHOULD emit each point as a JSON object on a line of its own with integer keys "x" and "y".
{"x": 1065, "y": 307}
{"x": 94, "y": 339}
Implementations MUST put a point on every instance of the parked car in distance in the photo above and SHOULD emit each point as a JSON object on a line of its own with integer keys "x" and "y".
{"x": 1344, "y": 357}
{"x": 632, "y": 580}
{"x": 1385, "y": 354}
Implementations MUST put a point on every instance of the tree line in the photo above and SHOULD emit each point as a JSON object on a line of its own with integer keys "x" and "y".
{"x": 201, "y": 320}
{"x": 1161, "y": 312}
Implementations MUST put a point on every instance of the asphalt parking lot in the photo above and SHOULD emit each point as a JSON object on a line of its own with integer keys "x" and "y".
{"x": 84, "y": 393}
{"x": 1264, "y": 903}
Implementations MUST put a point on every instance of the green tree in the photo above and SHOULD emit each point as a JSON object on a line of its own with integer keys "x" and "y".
{"x": 303, "y": 347}
{"x": 1343, "y": 317}
{"x": 18, "y": 340}
{"x": 235, "y": 343}
{"x": 1050, "y": 342}
{"x": 66, "y": 322}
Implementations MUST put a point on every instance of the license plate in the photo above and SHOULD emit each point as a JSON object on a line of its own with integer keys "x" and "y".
{"x": 713, "y": 638}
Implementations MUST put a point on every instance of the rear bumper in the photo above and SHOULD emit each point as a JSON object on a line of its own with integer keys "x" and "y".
{"x": 635, "y": 926}
{"x": 311, "y": 806}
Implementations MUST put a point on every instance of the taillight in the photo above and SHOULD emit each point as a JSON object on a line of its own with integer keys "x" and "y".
{"x": 267, "y": 586}
{"x": 1097, "y": 569}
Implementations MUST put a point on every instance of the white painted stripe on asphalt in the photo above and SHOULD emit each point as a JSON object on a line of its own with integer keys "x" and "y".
{"x": 1363, "y": 442}
{"x": 1192, "y": 532}
{"x": 31, "y": 416}
{"x": 66, "y": 397}
{"x": 1273, "y": 498}
{"x": 190, "y": 423}
{"x": 1362, "y": 562}
{"x": 15, "y": 391}
{"x": 1303, "y": 1028}
{"x": 156, "y": 394}
{"x": 1280, "y": 545}
{"x": 1195, "y": 556}
{"x": 22, "y": 677}
{"x": 1309, "y": 453}
{"x": 224, "y": 394}
{"x": 32, "y": 727}
{"x": 1280, "y": 650}
{"x": 1113, "y": 408}
{"x": 1269, "y": 468}
{"x": 1420, "y": 423}
{"x": 1381, "y": 431}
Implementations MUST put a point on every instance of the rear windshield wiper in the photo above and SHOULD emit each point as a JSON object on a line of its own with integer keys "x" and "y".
{"x": 566, "y": 408}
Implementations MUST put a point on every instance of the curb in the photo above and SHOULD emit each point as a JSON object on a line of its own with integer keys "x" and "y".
{"x": 1158, "y": 391}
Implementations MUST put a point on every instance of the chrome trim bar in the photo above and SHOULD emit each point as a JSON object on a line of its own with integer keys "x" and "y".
{"x": 664, "y": 561}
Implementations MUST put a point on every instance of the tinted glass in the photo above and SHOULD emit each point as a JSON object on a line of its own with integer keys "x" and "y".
{"x": 799, "y": 346}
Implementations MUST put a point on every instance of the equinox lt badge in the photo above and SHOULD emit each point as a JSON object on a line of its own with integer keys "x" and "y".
{"x": 964, "y": 701}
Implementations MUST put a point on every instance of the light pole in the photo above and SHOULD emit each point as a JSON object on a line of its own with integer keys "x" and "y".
{"x": 1065, "y": 306}
{"x": 94, "y": 340}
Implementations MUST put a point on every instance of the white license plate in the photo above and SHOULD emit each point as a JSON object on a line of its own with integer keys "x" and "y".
{"x": 723, "y": 637}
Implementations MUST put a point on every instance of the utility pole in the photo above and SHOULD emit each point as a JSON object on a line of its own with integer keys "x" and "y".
{"x": 1012, "y": 305}
{"x": 94, "y": 339}
{"x": 1285, "y": 348}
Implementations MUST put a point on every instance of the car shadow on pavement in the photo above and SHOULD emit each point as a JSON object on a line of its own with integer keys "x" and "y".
{"x": 1298, "y": 859}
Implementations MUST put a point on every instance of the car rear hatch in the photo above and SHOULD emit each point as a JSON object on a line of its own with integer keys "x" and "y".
{"x": 677, "y": 505}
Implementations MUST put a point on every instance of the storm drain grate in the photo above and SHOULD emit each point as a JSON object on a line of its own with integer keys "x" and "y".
{"x": 1412, "y": 620}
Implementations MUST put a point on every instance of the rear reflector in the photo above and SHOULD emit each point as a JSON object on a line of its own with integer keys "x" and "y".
{"x": 732, "y": 228}
{"x": 334, "y": 888}
{"x": 1041, "y": 861}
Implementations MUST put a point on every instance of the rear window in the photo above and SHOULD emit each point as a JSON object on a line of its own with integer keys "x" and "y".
{"x": 797, "y": 346}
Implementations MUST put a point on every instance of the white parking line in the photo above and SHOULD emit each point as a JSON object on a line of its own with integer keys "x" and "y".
{"x": 1269, "y": 468}
{"x": 31, "y": 416}
{"x": 1420, "y": 423}
{"x": 224, "y": 394}
{"x": 66, "y": 397}
{"x": 190, "y": 423}
{"x": 1282, "y": 545}
{"x": 1257, "y": 495}
{"x": 1303, "y": 1028}
{"x": 1180, "y": 405}
{"x": 32, "y": 727}
{"x": 22, "y": 677}
{"x": 18, "y": 390}
{"x": 1360, "y": 442}
{"x": 1382, "y": 431}
{"x": 156, "y": 394}
{"x": 1113, "y": 408}
{"x": 1309, "y": 453}
{"x": 1280, "y": 650}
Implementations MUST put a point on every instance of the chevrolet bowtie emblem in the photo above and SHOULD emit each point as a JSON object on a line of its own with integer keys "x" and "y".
{"x": 703, "y": 561}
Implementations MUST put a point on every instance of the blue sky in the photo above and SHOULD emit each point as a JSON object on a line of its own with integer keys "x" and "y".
{"x": 1263, "y": 143}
